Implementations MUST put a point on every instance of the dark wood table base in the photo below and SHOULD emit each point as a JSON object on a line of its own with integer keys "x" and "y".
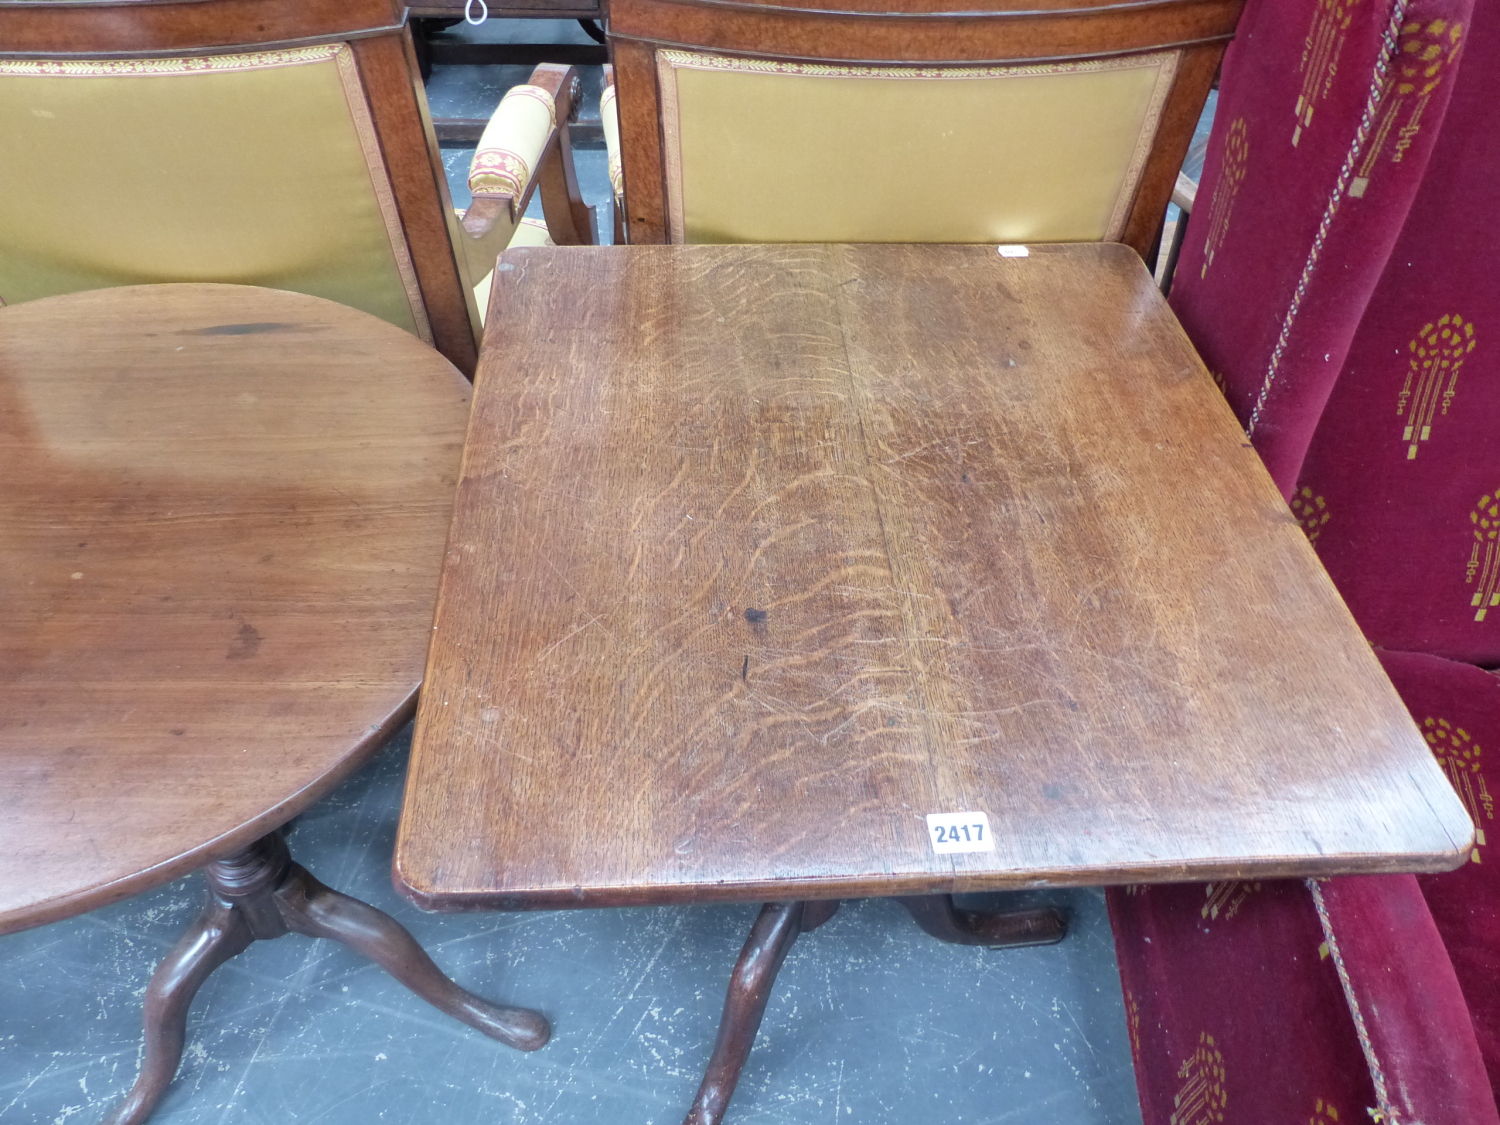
{"x": 259, "y": 893}
{"x": 771, "y": 939}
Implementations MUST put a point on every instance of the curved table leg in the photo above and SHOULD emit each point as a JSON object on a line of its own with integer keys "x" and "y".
{"x": 770, "y": 939}
{"x": 939, "y": 917}
{"x": 258, "y": 893}
{"x": 313, "y": 909}
{"x": 218, "y": 933}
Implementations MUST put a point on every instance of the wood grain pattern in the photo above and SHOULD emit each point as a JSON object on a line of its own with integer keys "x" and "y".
{"x": 220, "y": 535}
{"x": 762, "y": 553}
{"x": 122, "y": 28}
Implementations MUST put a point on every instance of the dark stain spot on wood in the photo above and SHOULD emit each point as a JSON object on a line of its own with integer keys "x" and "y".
{"x": 241, "y": 329}
{"x": 966, "y": 478}
{"x": 245, "y": 644}
{"x": 179, "y": 731}
{"x": 1052, "y": 792}
{"x": 755, "y": 616}
{"x": 745, "y": 670}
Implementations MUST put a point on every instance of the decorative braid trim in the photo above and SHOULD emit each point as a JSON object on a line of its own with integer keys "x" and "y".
{"x": 115, "y": 68}
{"x": 1346, "y": 173}
{"x": 1384, "y": 1112}
{"x": 697, "y": 61}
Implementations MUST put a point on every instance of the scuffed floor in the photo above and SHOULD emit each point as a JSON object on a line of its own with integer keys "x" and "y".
{"x": 870, "y": 1021}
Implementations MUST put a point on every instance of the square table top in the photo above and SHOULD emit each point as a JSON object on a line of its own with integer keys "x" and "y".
{"x": 762, "y": 554}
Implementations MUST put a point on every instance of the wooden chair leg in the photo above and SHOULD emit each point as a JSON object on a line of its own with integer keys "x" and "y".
{"x": 313, "y": 909}
{"x": 258, "y": 893}
{"x": 770, "y": 939}
{"x": 997, "y": 929}
{"x": 218, "y": 933}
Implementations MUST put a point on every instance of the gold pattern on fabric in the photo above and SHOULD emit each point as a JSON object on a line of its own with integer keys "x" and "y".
{"x": 1484, "y": 559}
{"x": 1424, "y": 52}
{"x": 206, "y": 64}
{"x": 1225, "y": 898}
{"x": 1458, "y": 754}
{"x": 1320, "y": 57}
{"x": 495, "y": 170}
{"x": 1133, "y": 1023}
{"x": 511, "y": 146}
{"x": 1311, "y": 511}
{"x": 756, "y": 150}
{"x": 1437, "y": 351}
{"x": 1323, "y": 1113}
{"x": 1201, "y": 1098}
{"x": 1233, "y": 163}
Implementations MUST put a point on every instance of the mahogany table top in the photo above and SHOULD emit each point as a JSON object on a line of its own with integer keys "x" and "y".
{"x": 221, "y": 526}
{"x": 761, "y": 554}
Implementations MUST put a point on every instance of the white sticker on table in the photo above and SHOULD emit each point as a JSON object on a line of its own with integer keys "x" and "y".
{"x": 1014, "y": 251}
{"x": 959, "y": 832}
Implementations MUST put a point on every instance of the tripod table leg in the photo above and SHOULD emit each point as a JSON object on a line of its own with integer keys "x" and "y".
{"x": 310, "y": 908}
{"x": 750, "y": 984}
{"x": 218, "y": 933}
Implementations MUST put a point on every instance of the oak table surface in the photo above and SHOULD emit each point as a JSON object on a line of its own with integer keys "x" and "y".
{"x": 761, "y": 554}
{"x": 221, "y": 528}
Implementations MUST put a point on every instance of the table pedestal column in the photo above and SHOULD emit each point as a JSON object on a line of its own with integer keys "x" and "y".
{"x": 772, "y": 937}
{"x": 258, "y": 893}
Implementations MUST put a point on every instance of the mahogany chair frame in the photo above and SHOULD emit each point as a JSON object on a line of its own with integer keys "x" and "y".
{"x": 376, "y": 31}
{"x": 923, "y": 32}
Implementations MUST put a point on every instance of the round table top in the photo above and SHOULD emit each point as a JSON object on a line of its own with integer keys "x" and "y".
{"x": 221, "y": 529}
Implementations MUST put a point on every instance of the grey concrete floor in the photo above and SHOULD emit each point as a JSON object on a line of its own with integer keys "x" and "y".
{"x": 870, "y": 1021}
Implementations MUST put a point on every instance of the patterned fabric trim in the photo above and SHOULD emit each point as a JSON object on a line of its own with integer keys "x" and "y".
{"x": 117, "y": 68}
{"x": 1346, "y": 174}
{"x": 1384, "y": 1112}
{"x": 354, "y": 98}
{"x": 498, "y": 170}
{"x": 512, "y": 143}
{"x": 668, "y": 62}
{"x": 369, "y": 143}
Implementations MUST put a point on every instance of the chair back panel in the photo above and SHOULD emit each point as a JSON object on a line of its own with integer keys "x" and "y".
{"x": 259, "y": 168}
{"x": 905, "y": 121}
{"x": 825, "y": 153}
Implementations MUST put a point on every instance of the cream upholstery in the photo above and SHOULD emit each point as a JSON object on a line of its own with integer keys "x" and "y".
{"x": 261, "y": 169}
{"x": 511, "y": 146}
{"x": 759, "y": 151}
{"x": 609, "y": 118}
{"x": 528, "y": 232}
{"x": 509, "y": 155}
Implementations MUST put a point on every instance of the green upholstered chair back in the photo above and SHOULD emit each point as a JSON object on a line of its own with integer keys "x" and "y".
{"x": 902, "y": 122}
{"x": 242, "y": 162}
